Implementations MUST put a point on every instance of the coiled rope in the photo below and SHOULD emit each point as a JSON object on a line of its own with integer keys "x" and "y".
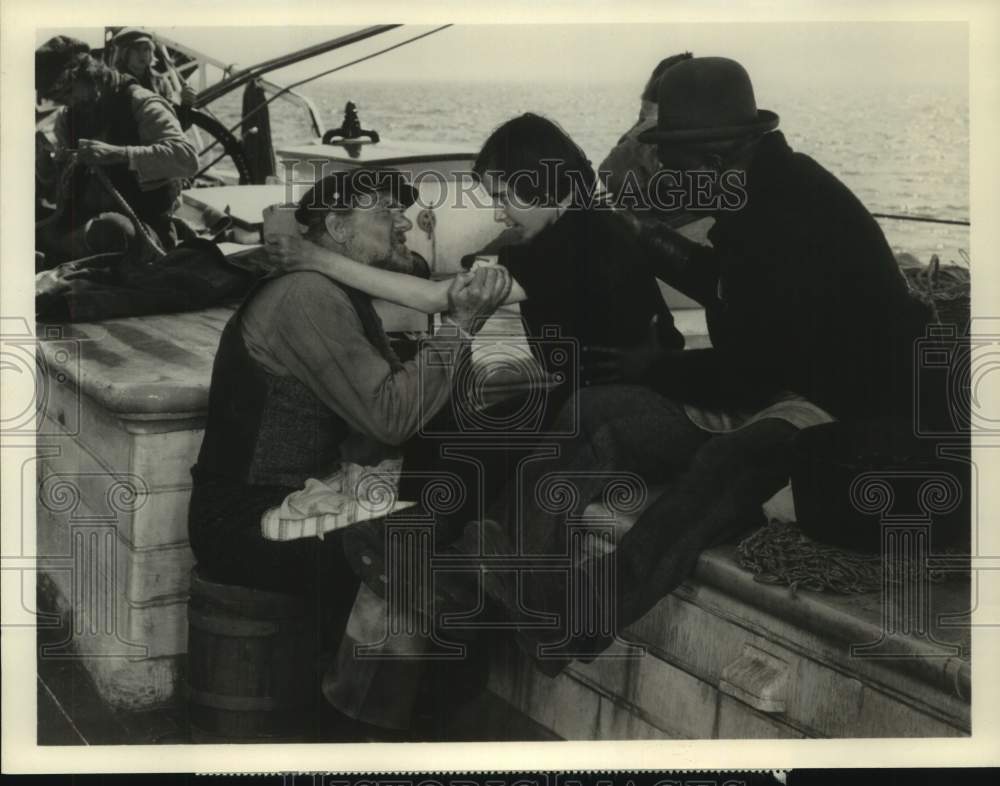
{"x": 946, "y": 288}
{"x": 780, "y": 553}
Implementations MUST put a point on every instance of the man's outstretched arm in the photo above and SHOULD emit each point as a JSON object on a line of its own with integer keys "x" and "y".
{"x": 164, "y": 152}
{"x": 319, "y": 339}
{"x": 689, "y": 267}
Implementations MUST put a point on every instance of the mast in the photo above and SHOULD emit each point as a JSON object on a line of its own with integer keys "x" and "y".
{"x": 240, "y": 78}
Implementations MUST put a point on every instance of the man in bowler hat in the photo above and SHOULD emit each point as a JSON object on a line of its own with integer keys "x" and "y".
{"x": 809, "y": 317}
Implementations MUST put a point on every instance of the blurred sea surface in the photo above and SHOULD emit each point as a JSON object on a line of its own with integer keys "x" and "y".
{"x": 901, "y": 150}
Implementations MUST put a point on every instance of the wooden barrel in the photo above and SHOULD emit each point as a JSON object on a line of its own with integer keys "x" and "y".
{"x": 252, "y": 673}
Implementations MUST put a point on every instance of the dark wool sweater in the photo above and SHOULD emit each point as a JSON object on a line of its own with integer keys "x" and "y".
{"x": 802, "y": 293}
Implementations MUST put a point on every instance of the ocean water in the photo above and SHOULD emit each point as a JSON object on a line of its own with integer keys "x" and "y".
{"x": 902, "y": 150}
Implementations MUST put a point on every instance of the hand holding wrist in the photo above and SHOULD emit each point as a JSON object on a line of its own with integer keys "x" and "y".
{"x": 473, "y": 297}
{"x": 309, "y": 253}
{"x": 463, "y": 332}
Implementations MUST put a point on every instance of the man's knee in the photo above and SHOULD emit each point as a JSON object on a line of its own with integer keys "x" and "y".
{"x": 110, "y": 232}
{"x": 596, "y": 406}
{"x": 763, "y": 446}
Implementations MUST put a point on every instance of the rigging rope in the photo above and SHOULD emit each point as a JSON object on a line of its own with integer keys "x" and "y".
{"x": 926, "y": 219}
{"x": 301, "y": 82}
{"x": 143, "y": 232}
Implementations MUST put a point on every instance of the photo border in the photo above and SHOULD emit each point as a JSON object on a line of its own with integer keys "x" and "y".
{"x": 20, "y": 753}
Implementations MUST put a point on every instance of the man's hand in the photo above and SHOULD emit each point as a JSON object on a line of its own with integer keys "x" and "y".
{"x": 631, "y": 366}
{"x": 93, "y": 151}
{"x": 188, "y": 95}
{"x": 473, "y": 297}
{"x": 290, "y": 252}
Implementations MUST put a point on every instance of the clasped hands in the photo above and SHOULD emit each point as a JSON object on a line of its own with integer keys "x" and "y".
{"x": 472, "y": 296}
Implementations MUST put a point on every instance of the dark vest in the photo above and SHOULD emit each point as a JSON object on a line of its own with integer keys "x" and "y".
{"x": 268, "y": 430}
{"x": 111, "y": 120}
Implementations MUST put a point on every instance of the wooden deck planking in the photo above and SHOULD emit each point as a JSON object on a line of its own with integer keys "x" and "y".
{"x": 158, "y": 364}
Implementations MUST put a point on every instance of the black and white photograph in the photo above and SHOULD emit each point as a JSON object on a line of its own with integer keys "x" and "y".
{"x": 581, "y": 380}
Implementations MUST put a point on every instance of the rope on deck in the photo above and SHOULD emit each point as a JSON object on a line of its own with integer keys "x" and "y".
{"x": 780, "y": 553}
{"x": 946, "y": 288}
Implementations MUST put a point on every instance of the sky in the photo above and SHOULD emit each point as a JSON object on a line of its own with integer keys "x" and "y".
{"x": 818, "y": 53}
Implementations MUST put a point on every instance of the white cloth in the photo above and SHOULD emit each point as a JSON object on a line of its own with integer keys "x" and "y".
{"x": 354, "y": 493}
{"x": 790, "y": 407}
{"x": 781, "y": 507}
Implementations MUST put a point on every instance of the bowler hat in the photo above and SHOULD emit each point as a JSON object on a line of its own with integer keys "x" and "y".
{"x": 54, "y": 59}
{"x": 707, "y": 99}
{"x": 344, "y": 190}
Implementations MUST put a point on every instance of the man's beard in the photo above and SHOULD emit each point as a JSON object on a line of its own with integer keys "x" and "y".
{"x": 391, "y": 255}
{"x": 398, "y": 258}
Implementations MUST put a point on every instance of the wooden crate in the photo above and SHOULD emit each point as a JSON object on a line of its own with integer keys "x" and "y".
{"x": 121, "y": 426}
